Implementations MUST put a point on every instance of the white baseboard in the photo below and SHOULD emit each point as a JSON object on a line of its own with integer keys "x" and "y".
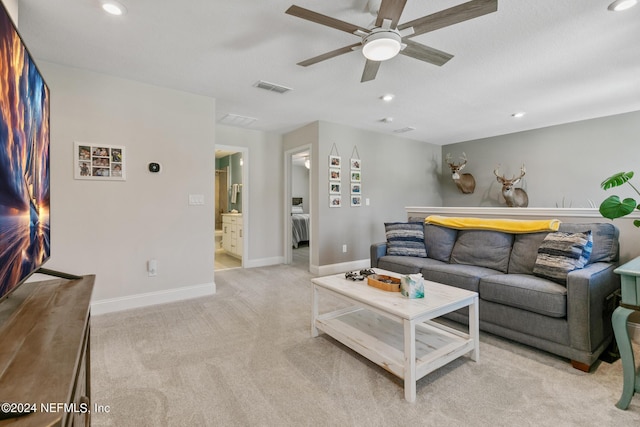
{"x": 343, "y": 267}
{"x": 151, "y": 298}
{"x": 264, "y": 262}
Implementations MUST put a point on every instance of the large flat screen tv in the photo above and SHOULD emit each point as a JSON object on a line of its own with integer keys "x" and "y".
{"x": 24, "y": 161}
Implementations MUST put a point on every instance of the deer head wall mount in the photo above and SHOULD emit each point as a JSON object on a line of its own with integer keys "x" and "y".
{"x": 515, "y": 197}
{"x": 465, "y": 182}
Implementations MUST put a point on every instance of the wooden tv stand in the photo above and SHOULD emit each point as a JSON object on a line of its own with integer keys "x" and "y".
{"x": 44, "y": 352}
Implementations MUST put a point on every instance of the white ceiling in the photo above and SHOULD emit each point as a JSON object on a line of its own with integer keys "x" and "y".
{"x": 560, "y": 61}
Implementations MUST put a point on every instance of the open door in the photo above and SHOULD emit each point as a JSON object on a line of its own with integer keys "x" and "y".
{"x": 297, "y": 208}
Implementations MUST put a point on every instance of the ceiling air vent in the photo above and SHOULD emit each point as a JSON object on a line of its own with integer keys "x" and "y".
{"x": 403, "y": 130}
{"x": 272, "y": 87}
{"x": 236, "y": 120}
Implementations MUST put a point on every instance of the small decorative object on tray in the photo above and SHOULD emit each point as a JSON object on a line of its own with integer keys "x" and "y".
{"x": 386, "y": 283}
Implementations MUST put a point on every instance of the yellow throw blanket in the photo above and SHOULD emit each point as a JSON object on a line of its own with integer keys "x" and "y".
{"x": 496, "y": 224}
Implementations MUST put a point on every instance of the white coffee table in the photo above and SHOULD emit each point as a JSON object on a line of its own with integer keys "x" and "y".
{"x": 396, "y": 332}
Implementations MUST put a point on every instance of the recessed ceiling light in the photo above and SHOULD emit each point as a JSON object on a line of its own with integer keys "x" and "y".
{"x": 518, "y": 114}
{"x": 620, "y": 5}
{"x": 114, "y": 7}
{"x": 386, "y": 120}
{"x": 388, "y": 97}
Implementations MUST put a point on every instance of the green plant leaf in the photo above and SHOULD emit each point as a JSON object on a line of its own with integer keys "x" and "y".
{"x": 616, "y": 180}
{"x": 613, "y": 208}
{"x": 636, "y": 222}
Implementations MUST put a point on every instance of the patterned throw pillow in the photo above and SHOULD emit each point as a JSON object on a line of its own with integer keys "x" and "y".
{"x": 405, "y": 238}
{"x": 561, "y": 253}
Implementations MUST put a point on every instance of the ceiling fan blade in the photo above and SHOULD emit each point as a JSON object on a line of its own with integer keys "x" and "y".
{"x": 391, "y": 10}
{"x": 425, "y": 53}
{"x": 321, "y": 19}
{"x": 463, "y": 12}
{"x": 370, "y": 70}
{"x": 329, "y": 55}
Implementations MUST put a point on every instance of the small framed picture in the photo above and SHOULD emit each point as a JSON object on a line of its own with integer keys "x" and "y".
{"x": 334, "y": 188}
{"x": 99, "y": 162}
{"x": 356, "y": 188}
{"x": 334, "y": 174}
{"x": 335, "y": 201}
{"x": 356, "y": 200}
{"x": 355, "y": 176}
{"x": 356, "y": 164}
{"x": 334, "y": 161}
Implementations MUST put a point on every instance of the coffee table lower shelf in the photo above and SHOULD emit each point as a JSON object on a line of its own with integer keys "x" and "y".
{"x": 382, "y": 340}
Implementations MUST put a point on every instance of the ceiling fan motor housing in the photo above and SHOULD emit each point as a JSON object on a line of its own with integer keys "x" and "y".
{"x": 381, "y": 44}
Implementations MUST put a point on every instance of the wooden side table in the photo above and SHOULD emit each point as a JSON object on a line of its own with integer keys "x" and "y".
{"x": 630, "y": 286}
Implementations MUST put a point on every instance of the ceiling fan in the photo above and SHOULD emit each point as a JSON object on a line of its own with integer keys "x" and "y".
{"x": 387, "y": 39}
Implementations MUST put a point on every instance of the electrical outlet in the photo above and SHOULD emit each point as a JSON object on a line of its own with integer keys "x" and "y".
{"x": 344, "y": 248}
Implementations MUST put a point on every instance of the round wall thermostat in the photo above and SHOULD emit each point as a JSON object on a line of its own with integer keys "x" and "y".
{"x": 154, "y": 167}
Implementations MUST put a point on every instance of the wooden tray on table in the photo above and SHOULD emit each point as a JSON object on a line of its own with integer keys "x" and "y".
{"x": 386, "y": 283}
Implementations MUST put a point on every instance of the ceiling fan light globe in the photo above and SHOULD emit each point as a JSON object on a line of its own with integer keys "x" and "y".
{"x": 114, "y": 7}
{"x": 620, "y": 5}
{"x": 382, "y": 45}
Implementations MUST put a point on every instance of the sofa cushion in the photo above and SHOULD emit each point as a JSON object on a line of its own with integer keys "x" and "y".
{"x": 527, "y": 327}
{"x": 406, "y": 264}
{"x": 524, "y": 252}
{"x": 439, "y": 241}
{"x": 458, "y": 275}
{"x": 527, "y": 292}
{"x": 561, "y": 253}
{"x": 483, "y": 248}
{"x": 405, "y": 239}
{"x": 605, "y": 239}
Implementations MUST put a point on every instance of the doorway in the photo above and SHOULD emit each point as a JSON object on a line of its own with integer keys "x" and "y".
{"x": 231, "y": 213}
{"x": 298, "y": 203}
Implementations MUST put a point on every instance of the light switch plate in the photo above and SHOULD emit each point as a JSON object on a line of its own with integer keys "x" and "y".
{"x": 196, "y": 199}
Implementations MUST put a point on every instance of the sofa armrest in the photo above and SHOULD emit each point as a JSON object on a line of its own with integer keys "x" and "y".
{"x": 378, "y": 250}
{"x": 587, "y": 292}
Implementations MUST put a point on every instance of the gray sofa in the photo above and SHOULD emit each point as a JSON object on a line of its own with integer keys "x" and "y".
{"x": 572, "y": 319}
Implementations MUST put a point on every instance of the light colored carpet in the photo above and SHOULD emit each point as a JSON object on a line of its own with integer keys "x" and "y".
{"x": 244, "y": 357}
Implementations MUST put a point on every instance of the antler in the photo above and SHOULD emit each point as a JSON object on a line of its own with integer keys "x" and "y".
{"x": 523, "y": 171}
{"x": 447, "y": 159}
{"x": 464, "y": 160}
{"x": 459, "y": 165}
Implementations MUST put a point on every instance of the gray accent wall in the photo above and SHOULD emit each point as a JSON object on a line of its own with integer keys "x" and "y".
{"x": 565, "y": 164}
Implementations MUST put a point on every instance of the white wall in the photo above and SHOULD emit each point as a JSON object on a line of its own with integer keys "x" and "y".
{"x": 264, "y": 210}
{"x": 396, "y": 172}
{"x": 12, "y": 8}
{"x": 112, "y": 228}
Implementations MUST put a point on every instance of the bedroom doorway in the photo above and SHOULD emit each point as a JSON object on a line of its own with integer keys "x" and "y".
{"x": 298, "y": 207}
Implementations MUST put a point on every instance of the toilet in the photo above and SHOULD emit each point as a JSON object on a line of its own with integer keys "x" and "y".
{"x": 218, "y": 239}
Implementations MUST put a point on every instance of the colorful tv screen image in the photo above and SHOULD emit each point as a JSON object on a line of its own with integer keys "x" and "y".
{"x": 24, "y": 161}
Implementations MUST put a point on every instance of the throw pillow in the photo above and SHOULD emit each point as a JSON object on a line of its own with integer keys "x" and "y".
{"x": 561, "y": 253}
{"x": 405, "y": 239}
